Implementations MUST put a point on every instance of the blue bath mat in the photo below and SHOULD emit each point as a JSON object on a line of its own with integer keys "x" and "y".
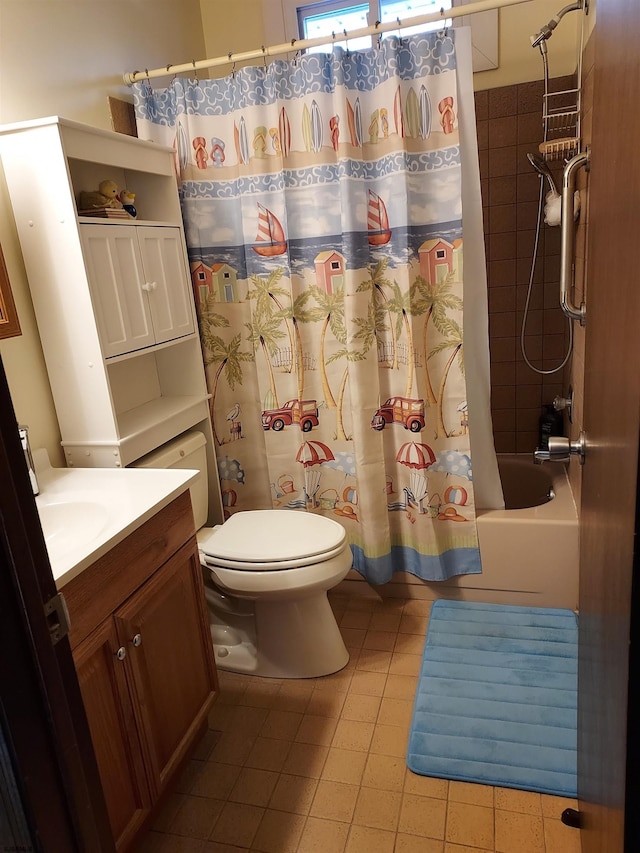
{"x": 497, "y": 697}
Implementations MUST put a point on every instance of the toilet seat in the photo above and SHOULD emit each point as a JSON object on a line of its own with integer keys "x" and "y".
{"x": 272, "y": 540}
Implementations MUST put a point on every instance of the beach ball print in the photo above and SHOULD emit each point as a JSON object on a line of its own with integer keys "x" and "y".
{"x": 456, "y": 495}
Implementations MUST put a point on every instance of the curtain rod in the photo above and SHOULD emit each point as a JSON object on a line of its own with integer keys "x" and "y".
{"x": 295, "y": 45}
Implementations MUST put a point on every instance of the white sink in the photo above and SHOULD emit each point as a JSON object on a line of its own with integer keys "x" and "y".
{"x": 84, "y": 512}
{"x": 69, "y": 525}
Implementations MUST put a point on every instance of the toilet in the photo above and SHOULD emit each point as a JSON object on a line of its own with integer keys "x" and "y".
{"x": 267, "y": 573}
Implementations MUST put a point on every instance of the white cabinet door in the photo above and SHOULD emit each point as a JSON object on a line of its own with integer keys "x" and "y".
{"x": 139, "y": 285}
{"x": 167, "y": 280}
{"x": 116, "y": 277}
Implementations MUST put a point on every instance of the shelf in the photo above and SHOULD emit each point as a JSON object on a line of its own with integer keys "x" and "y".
{"x": 141, "y": 429}
{"x": 99, "y": 220}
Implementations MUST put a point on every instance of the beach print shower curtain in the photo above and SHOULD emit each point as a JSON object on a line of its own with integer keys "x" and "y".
{"x": 322, "y": 205}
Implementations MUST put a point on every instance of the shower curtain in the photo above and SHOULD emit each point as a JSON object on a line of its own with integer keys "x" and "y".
{"x": 322, "y": 202}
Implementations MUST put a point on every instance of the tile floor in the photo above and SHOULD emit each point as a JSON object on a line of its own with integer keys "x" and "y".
{"x": 318, "y": 765}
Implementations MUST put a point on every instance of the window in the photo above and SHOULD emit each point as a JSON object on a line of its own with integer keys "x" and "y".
{"x": 226, "y": 275}
{"x": 316, "y": 18}
{"x": 335, "y": 265}
{"x": 440, "y": 253}
{"x": 202, "y": 276}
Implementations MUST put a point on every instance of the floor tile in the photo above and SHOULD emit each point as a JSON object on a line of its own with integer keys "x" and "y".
{"x": 322, "y": 836}
{"x": 471, "y": 825}
{"x": 293, "y": 696}
{"x": 366, "y": 683}
{"x": 326, "y": 703}
{"x": 384, "y": 772}
{"x": 268, "y": 754}
{"x": 417, "y": 844}
{"x": 512, "y": 800}
{"x": 426, "y": 786}
{"x": 395, "y": 712}
{"x": 305, "y": 759}
{"x": 423, "y": 816}
{"x": 316, "y": 729}
{"x": 374, "y": 661}
{"x": 377, "y": 809}
{"x": 361, "y": 708}
{"x": 553, "y": 806}
{"x": 353, "y": 735}
{"x": 468, "y": 792}
{"x": 196, "y": 817}
{"x": 389, "y": 740}
{"x": 383, "y": 641}
{"x": 410, "y": 644}
{"x": 293, "y": 794}
{"x": 278, "y": 832}
{"x": 232, "y": 748}
{"x": 521, "y": 832}
{"x": 401, "y": 687}
{"x": 281, "y": 725}
{"x": 215, "y": 780}
{"x": 160, "y": 843}
{"x": 344, "y": 765}
{"x": 364, "y": 839}
{"x": 254, "y": 787}
{"x": 237, "y": 824}
{"x": 334, "y": 801}
{"x": 559, "y": 838}
{"x": 403, "y": 664}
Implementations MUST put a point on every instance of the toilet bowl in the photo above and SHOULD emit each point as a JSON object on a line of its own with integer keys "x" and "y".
{"x": 266, "y": 579}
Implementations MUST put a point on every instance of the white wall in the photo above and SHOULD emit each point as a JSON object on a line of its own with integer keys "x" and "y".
{"x": 64, "y": 57}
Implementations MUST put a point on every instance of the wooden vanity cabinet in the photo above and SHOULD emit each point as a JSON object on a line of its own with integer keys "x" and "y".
{"x": 142, "y": 647}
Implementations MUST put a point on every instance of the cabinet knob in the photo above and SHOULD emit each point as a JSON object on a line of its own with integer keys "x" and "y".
{"x": 149, "y": 285}
{"x": 121, "y": 653}
{"x": 137, "y": 640}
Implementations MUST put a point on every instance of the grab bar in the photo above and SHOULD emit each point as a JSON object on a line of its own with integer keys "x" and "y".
{"x": 567, "y": 238}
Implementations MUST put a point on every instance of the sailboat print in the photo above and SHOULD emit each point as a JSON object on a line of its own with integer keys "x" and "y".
{"x": 377, "y": 221}
{"x": 270, "y": 239}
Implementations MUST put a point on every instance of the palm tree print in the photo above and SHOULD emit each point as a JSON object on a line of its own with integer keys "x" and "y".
{"x": 401, "y": 305}
{"x": 265, "y": 332}
{"x": 297, "y": 313}
{"x": 329, "y": 310}
{"x": 433, "y": 300}
{"x": 228, "y": 356}
{"x": 375, "y": 284}
{"x": 453, "y": 341}
{"x": 266, "y": 291}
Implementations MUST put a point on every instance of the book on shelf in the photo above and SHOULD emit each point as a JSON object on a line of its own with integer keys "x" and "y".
{"x": 105, "y": 213}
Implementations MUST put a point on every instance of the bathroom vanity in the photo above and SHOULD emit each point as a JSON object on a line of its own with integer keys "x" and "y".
{"x": 139, "y": 628}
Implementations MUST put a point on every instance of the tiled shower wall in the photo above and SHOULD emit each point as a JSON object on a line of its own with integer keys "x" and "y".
{"x": 509, "y": 124}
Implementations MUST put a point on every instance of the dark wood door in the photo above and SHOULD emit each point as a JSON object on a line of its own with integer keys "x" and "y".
{"x": 165, "y": 629}
{"x": 612, "y": 425}
{"x": 45, "y": 738}
{"x": 113, "y": 730}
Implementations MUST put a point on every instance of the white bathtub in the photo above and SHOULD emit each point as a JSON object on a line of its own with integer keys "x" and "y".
{"x": 529, "y": 555}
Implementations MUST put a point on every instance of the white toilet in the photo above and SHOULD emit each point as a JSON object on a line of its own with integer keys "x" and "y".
{"x": 270, "y": 571}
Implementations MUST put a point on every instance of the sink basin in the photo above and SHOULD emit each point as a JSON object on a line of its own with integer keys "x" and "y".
{"x": 69, "y": 525}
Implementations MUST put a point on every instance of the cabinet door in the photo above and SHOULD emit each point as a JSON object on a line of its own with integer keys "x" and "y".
{"x": 168, "y": 282}
{"x": 117, "y": 281}
{"x": 113, "y": 730}
{"x": 165, "y": 629}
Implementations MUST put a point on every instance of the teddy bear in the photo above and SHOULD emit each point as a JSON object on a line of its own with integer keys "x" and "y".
{"x": 105, "y": 196}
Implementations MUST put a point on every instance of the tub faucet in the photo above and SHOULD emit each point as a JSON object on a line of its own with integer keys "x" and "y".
{"x": 561, "y": 449}
{"x": 23, "y": 432}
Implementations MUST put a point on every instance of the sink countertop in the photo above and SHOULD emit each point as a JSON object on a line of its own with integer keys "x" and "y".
{"x": 85, "y": 512}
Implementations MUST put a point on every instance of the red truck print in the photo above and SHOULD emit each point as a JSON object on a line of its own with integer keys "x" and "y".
{"x": 400, "y": 410}
{"x": 304, "y": 413}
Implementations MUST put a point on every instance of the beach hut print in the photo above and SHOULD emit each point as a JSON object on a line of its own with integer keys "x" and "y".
{"x": 270, "y": 239}
{"x": 202, "y": 282}
{"x": 436, "y": 260}
{"x": 329, "y": 271}
{"x": 377, "y": 221}
{"x": 224, "y": 279}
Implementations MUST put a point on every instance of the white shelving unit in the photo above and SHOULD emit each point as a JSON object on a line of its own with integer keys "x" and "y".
{"x": 112, "y": 297}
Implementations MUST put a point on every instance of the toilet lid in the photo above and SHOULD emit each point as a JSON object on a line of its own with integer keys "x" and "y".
{"x": 267, "y": 540}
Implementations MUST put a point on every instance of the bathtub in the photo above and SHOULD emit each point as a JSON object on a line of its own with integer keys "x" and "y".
{"x": 529, "y": 550}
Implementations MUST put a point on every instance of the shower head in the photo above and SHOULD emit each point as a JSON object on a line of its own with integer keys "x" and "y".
{"x": 546, "y": 31}
{"x": 543, "y": 170}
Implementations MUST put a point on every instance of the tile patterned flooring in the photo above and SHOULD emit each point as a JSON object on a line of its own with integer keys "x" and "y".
{"x": 318, "y": 765}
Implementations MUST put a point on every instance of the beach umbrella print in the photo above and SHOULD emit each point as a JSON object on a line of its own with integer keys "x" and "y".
{"x": 418, "y": 458}
{"x": 313, "y": 453}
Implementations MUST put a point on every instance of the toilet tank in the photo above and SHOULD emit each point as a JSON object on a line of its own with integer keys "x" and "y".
{"x": 186, "y": 451}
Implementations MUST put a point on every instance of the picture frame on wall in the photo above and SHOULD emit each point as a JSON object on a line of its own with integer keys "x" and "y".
{"x": 9, "y": 323}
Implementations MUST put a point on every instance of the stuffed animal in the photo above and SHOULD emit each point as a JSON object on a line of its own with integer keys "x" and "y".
{"x": 127, "y": 198}
{"x": 105, "y": 196}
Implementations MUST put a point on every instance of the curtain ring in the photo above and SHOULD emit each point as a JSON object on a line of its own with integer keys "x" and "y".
{"x": 346, "y": 40}
{"x": 175, "y": 76}
{"x": 264, "y": 56}
{"x": 195, "y": 70}
{"x": 233, "y": 65}
{"x": 379, "y": 35}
